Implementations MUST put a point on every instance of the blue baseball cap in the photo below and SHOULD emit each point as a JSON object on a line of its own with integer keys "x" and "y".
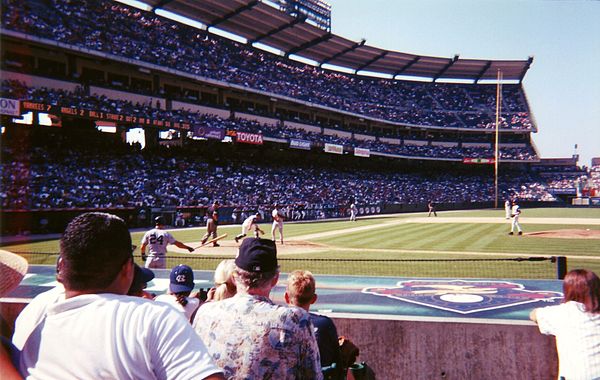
{"x": 182, "y": 279}
{"x": 142, "y": 275}
{"x": 257, "y": 255}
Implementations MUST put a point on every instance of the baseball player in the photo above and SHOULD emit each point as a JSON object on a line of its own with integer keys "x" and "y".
{"x": 514, "y": 214}
{"x": 353, "y": 212}
{"x": 250, "y": 224}
{"x": 507, "y": 208}
{"x": 431, "y": 207}
{"x": 277, "y": 223}
{"x": 211, "y": 228}
{"x": 157, "y": 240}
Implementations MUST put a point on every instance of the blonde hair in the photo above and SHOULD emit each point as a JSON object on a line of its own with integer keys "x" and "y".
{"x": 224, "y": 283}
{"x": 301, "y": 287}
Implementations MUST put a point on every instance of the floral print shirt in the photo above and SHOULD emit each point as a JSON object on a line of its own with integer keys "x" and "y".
{"x": 250, "y": 337}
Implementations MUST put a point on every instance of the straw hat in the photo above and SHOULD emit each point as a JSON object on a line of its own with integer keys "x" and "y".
{"x": 12, "y": 270}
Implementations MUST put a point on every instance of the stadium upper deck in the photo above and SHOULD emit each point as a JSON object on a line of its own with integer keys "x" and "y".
{"x": 257, "y": 21}
{"x": 112, "y": 28}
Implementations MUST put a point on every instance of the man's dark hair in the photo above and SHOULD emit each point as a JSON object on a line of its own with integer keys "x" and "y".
{"x": 93, "y": 249}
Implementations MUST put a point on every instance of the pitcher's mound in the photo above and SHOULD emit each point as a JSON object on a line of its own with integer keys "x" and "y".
{"x": 567, "y": 234}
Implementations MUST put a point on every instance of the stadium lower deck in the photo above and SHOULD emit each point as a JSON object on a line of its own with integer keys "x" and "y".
{"x": 477, "y": 300}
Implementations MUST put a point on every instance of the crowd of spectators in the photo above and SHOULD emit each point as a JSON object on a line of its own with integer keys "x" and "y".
{"x": 131, "y": 33}
{"x": 595, "y": 176}
{"x": 57, "y": 171}
{"x": 564, "y": 177}
{"x": 80, "y": 99}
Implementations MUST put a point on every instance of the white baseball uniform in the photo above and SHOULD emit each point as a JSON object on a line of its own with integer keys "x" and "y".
{"x": 157, "y": 241}
{"x": 277, "y": 224}
{"x": 507, "y": 209}
{"x": 515, "y": 212}
{"x": 353, "y": 212}
{"x": 248, "y": 224}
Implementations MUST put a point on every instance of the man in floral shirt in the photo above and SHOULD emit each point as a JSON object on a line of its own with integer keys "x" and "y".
{"x": 249, "y": 336}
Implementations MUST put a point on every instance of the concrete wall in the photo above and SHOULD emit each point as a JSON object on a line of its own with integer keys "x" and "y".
{"x": 35, "y": 81}
{"x": 359, "y": 136}
{"x": 447, "y": 349}
{"x": 436, "y": 348}
{"x": 128, "y": 96}
{"x": 176, "y": 105}
{"x": 260, "y": 119}
{"x": 475, "y": 145}
{"x": 335, "y": 132}
{"x": 444, "y": 144}
{"x": 415, "y": 142}
{"x": 389, "y": 140}
{"x": 306, "y": 127}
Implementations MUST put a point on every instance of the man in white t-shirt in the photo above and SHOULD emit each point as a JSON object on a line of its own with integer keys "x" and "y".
{"x": 99, "y": 332}
{"x": 157, "y": 240}
{"x": 277, "y": 223}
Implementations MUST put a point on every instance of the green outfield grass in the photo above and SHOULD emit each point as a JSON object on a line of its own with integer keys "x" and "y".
{"x": 382, "y": 243}
{"x": 533, "y": 212}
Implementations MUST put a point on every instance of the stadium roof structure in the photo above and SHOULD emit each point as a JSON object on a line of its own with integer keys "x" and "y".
{"x": 257, "y": 21}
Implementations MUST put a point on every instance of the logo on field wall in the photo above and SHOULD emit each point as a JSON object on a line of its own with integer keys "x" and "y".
{"x": 463, "y": 296}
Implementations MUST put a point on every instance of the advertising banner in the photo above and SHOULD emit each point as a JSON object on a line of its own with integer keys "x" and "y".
{"x": 300, "y": 144}
{"x": 10, "y": 107}
{"x": 362, "y": 152}
{"x": 469, "y": 160}
{"x": 249, "y": 138}
{"x": 334, "y": 148}
{"x": 209, "y": 132}
{"x": 565, "y": 191}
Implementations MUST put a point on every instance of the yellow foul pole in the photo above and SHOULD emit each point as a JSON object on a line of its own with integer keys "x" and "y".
{"x": 496, "y": 156}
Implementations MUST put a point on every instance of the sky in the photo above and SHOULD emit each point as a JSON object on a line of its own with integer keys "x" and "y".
{"x": 563, "y": 36}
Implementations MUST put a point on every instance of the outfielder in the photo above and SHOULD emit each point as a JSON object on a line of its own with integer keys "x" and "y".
{"x": 514, "y": 214}
{"x": 507, "y": 208}
{"x": 250, "y": 224}
{"x": 431, "y": 206}
{"x": 353, "y": 212}
{"x": 158, "y": 239}
{"x": 277, "y": 223}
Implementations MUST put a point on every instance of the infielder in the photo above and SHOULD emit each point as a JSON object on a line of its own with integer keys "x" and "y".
{"x": 250, "y": 224}
{"x": 514, "y": 214}
{"x": 507, "y": 208}
{"x": 158, "y": 239}
{"x": 277, "y": 223}
{"x": 353, "y": 212}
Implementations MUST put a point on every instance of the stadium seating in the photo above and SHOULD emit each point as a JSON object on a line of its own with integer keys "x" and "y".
{"x": 117, "y": 29}
{"x": 110, "y": 173}
{"x": 51, "y": 169}
{"x": 80, "y": 99}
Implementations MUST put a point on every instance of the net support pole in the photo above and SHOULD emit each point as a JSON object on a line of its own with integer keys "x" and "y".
{"x": 561, "y": 267}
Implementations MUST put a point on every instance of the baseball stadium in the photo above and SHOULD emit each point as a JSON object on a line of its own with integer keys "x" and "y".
{"x": 423, "y": 208}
